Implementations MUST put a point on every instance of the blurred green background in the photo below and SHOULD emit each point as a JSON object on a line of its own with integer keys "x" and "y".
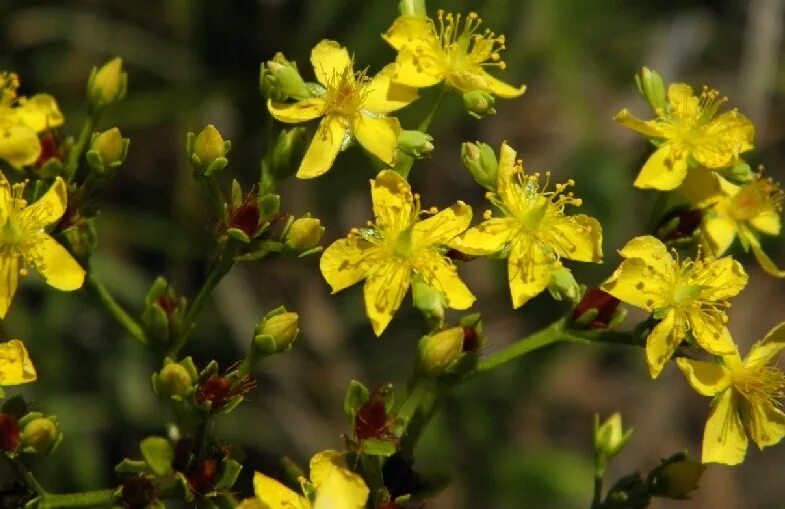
{"x": 520, "y": 437}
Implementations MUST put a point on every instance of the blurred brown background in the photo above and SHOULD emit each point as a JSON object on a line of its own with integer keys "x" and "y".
{"x": 520, "y": 437}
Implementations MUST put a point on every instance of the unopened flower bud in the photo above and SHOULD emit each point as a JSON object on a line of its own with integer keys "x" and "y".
{"x": 10, "y": 435}
{"x": 277, "y": 332}
{"x": 174, "y": 380}
{"x": 597, "y": 310}
{"x": 138, "y": 492}
{"x": 40, "y": 435}
{"x": 208, "y": 150}
{"x": 480, "y": 160}
{"x": 652, "y": 87}
{"x": 677, "y": 477}
{"x": 479, "y": 103}
{"x": 563, "y": 285}
{"x": 107, "y": 151}
{"x": 107, "y": 84}
{"x": 280, "y": 80}
{"x": 288, "y": 151}
{"x": 610, "y": 437}
{"x": 436, "y": 352}
{"x": 305, "y": 233}
{"x": 415, "y": 143}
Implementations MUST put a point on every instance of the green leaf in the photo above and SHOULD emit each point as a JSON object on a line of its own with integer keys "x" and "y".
{"x": 158, "y": 453}
{"x": 231, "y": 469}
{"x": 379, "y": 448}
{"x": 357, "y": 394}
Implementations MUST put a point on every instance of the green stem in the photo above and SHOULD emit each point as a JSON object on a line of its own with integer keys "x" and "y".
{"x": 120, "y": 315}
{"x": 216, "y": 196}
{"x": 596, "y": 502}
{"x": 24, "y": 475}
{"x": 417, "y": 410}
{"x": 81, "y": 143}
{"x": 100, "y": 498}
{"x": 544, "y": 337}
{"x": 405, "y": 161}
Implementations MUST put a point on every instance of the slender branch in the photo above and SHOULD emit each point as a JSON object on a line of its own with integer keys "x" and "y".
{"x": 216, "y": 196}
{"x": 405, "y": 161}
{"x": 95, "y": 499}
{"x": 542, "y": 338}
{"x": 120, "y": 315}
{"x": 24, "y": 475}
{"x": 85, "y": 134}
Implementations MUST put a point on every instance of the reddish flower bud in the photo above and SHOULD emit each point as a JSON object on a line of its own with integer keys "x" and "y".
{"x": 218, "y": 390}
{"x": 202, "y": 476}
{"x": 50, "y": 148}
{"x": 471, "y": 340}
{"x": 245, "y": 218}
{"x": 371, "y": 420}
{"x": 604, "y": 303}
{"x": 10, "y": 434}
{"x": 138, "y": 492}
{"x": 167, "y": 303}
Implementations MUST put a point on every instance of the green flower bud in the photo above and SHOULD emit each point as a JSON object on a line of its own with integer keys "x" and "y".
{"x": 40, "y": 435}
{"x": 107, "y": 84}
{"x": 480, "y": 160}
{"x": 479, "y": 103}
{"x": 287, "y": 152}
{"x": 652, "y": 87}
{"x": 174, "y": 380}
{"x": 280, "y": 80}
{"x": 208, "y": 150}
{"x": 305, "y": 233}
{"x": 436, "y": 352}
{"x": 415, "y": 143}
{"x": 107, "y": 151}
{"x": 610, "y": 437}
{"x": 564, "y": 286}
{"x": 277, "y": 332}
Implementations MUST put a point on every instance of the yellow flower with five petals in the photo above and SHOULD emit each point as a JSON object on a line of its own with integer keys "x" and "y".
{"x": 688, "y": 132}
{"x": 351, "y": 106}
{"x": 454, "y": 53}
{"x": 397, "y": 246}
{"x": 686, "y": 296}
{"x": 332, "y": 485}
{"x": 15, "y": 364}
{"x": 21, "y": 120}
{"x": 24, "y": 241}
{"x": 731, "y": 211}
{"x": 534, "y": 227}
{"x": 747, "y": 394}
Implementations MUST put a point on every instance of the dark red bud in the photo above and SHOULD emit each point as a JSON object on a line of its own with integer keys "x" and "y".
{"x": 371, "y": 420}
{"x": 605, "y": 304}
{"x": 138, "y": 492}
{"x": 245, "y": 218}
{"x": 10, "y": 435}
{"x": 471, "y": 341}
{"x": 202, "y": 477}
{"x": 216, "y": 390}
{"x": 167, "y": 303}
{"x": 49, "y": 149}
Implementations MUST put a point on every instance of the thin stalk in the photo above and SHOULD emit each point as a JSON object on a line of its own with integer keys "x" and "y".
{"x": 95, "y": 499}
{"x": 542, "y": 338}
{"x": 85, "y": 134}
{"x": 216, "y": 196}
{"x": 405, "y": 161}
{"x": 120, "y": 315}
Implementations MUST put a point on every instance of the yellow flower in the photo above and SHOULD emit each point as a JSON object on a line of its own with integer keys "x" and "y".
{"x": 21, "y": 119}
{"x": 334, "y": 487}
{"x": 24, "y": 241}
{"x": 15, "y": 365}
{"x": 397, "y": 246}
{"x": 534, "y": 227}
{"x": 686, "y": 296}
{"x": 352, "y": 105}
{"x": 747, "y": 394}
{"x": 736, "y": 211}
{"x": 454, "y": 53}
{"x": 687, "y": 132}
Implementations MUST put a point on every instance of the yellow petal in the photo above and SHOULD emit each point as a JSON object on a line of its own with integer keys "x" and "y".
{"x": 702, "y": 187}
{"x": 767, "y": 221}
{"x": 662, "y": 342}
{"x": 576, "y": 237}
{"x": 329, "y": 61}
{"x": 647, "y": 128}
{"x": 721, "y": 279}
{"x": 442, "y": 275}
{"x": 727, "y": 136}
{"x": 323, "y": 464}
{"x": 708, "y": 328}
{"x": 410, "y": 31}
{"x": 56, "y": 264}
{"x": 49, "y": 208}
{"x": 251, "y": 503}
{"x": 766, "y": 350}
{"x": 294, "y": 113}
{"x": 708, "y": 378}
{"x": 664, "y": 170}
{"x": 325, "y": 145}
{"x": 633, "y": 283}
{"x": 384, "y": 290}
{"x": 15, "y": 365}
{"x": 342, "y": 489}
{"x": 347, "y": 261}
{"x": 765, "y": 422}
{"x": 719, "y": 233}
{"x": 9, "y": 279}
{"x": 684, "y": 104}
{"x": 488, "y": 237}
{"x": 274, "y": 495}
{"x": 379, "y": 136}
{"x": 393, "y": 203}
{"x": 385, "y": 96}
{"x": 651, "y": 250}
{"x": 19, "y": 145}
{"x": 766, "y": 263}
{"x": 39, "y": 113}
{"x": 528, "y": 271}
{"x": 499, "y": 88}
{"x": 418, "y": 69}
{"x": 724, "y": 440}
{"x": 443, "y": 227}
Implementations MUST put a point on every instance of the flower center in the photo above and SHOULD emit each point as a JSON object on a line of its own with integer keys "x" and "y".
{"x": 754, "y": 198}
{"x": 686, "y": 294}
{"x": 463, "y": 46}
{"x": 346, "y": 92}
{"x": 12, "y": 233}
{"x": 761, "y": 385}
